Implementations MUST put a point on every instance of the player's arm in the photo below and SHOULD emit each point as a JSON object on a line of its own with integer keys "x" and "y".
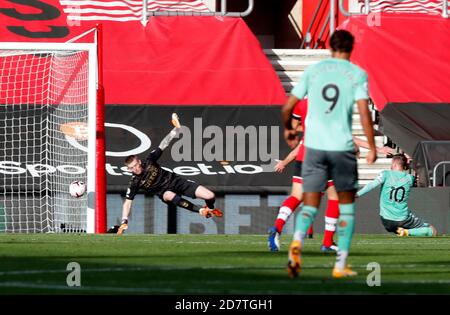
{"x": 362, "y": 100}
{"x": 383, "y": 150}
{"x": 298, "y": 92}
{"x": 371, "y": 185}
{"x": 357, "y": 145}
{"x": 367, "y": 124}
{"x": 281, "y": 165}
{"x": 126, "y": 209}
{"x": 286, "y": 111}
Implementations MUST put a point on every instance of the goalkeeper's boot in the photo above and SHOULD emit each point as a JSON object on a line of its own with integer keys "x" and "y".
{"x": 123, "y": 226}
{"x": 294, "y": 264}
{"x": 329, "y": 249}
{"x": 217, "y": 213}
{"x": 176, "y": 121}
{"x": 274, "y": 240}
{"x": 402, "y": 232}
{"x": 343, "y": 273}
{"x": 205, "y": 212}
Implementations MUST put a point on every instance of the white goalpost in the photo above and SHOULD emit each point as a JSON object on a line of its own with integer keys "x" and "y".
{"x": 47, "y": 136}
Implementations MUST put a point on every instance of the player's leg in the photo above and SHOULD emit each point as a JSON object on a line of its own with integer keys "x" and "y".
{"x": 286, "y": 210}
{"x": 331, "y": 219}
{"x": 311, "y": 202}
{"x": 415, "y": 226}
{"x": 390, "y": 226}
{"x": 172, "y": 197}
{"x": 315, "y": 175}
{"x": 344, "y": 173}
{"x": 204, "y": 193}
{"x": 423, "y": 231}
{"x": 346, "y": 227}
{"x": 310, "y": 232}
{"x": 184, "y": 187}
{"x": 293, "y": 201}
{"x": 288, "y": 206}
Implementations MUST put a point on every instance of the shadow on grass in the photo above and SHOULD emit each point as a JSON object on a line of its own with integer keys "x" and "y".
{"x": 38, "y": 275}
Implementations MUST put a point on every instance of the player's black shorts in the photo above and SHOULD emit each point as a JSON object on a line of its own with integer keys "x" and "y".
{"x": 180, "y": 186}
{"x": 297, "y": 177}
{"x": 411, "y": 222}
{"x": 319, "y": 166}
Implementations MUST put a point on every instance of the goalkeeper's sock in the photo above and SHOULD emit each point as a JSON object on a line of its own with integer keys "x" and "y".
{"x": 423, "y": 231}
{"x": 287, "y": 208}
{"x": 210, "y": 203}
{"x": 331, "y": 219}
{"x": 345, "y": 230}
{"x": 185, "y": 204}
{"x": 304, "y": 220}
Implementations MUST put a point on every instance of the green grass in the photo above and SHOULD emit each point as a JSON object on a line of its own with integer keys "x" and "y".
{"x": 215, "y": 264}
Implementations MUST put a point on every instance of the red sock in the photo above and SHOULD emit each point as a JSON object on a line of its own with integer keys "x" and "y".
{"x": 310, "y": 230}
{"x": 331, "y": 218}
{"x": 287, "y": 208}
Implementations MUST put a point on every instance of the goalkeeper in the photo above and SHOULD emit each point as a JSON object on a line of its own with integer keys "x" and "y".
{"x": 149, "y": 176}
{"x": 394, "y": 212}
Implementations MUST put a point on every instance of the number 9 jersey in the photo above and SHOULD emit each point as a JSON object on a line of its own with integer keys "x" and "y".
{"x": 333, "y": 86}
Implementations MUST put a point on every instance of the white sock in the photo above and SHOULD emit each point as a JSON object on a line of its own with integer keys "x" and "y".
{"x": 330, "y": 224}
{"x": 284, "y": 213}
{"x": 341, "y": 259}
{"x": 299, "y": 236}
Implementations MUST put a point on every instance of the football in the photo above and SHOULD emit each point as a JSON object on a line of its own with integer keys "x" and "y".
{"x": 77, "y": 189}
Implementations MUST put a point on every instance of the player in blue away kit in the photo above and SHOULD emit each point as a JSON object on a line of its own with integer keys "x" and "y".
{"x": 394, "y": 194}
{"x": 332, "y": 86}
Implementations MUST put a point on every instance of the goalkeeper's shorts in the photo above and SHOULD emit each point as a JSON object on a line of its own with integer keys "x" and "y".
{"x": 180, "y": 186}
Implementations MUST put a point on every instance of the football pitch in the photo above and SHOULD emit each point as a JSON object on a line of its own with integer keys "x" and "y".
{"x": 215, "y": 264}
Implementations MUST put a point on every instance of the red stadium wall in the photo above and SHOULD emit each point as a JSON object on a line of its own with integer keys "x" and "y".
{"x": 184, "y": 64}
{"x": 406, "y": 56}
{"x": 182, "y": 60}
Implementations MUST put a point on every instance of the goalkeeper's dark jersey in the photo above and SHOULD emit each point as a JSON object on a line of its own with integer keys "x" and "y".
{"x": 153, "y": 178}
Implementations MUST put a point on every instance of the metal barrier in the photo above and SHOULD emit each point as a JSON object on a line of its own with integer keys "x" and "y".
{"x": 443, "y": 163}
{"x": 367, "y": 8}
{"x": 223, "y": 11}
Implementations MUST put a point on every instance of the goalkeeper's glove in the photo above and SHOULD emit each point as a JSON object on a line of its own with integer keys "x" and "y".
{"x": 123, "y": 226}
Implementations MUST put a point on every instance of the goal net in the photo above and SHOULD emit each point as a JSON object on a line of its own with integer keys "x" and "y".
{"x": 47, "y": 136}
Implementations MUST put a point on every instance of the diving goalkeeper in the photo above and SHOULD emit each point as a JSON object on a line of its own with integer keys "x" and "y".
{"x": 394, "y": 212}
{"x": 169, "y": 187}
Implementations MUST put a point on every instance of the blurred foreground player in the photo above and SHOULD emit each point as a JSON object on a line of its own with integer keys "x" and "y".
{"x": 332, "y": 86}
{"x": 289, "y": 205}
